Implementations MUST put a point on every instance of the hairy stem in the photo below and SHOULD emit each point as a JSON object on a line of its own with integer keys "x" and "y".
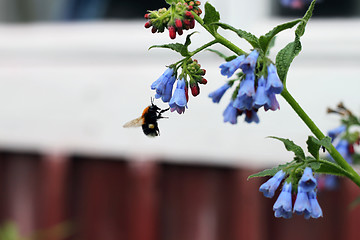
{"x": 354, "y": 176}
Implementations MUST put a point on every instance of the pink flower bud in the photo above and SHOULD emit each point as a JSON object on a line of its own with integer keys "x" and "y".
{"x": 195, "y": 90}
{"x": 188, "y": 14}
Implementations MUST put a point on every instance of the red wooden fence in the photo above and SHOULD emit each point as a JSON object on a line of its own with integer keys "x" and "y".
{"x": 115, "y": 199}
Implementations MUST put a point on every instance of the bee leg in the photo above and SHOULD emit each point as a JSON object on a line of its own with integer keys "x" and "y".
{"x": 164, "y": 110}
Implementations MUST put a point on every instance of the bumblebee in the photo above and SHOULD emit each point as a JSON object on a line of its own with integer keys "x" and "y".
{"x": 148, "y": 120}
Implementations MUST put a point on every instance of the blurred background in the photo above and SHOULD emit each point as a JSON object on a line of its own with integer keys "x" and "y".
{"x": 72, "y": 72}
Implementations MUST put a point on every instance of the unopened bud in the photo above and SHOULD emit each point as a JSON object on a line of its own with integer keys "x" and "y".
{"x": 192, "y": 23}
{"x": 180, "y": 31}
{"x": 153, "y": 29}
{"x": 188, "y": 14}
{"x": 147, "y": 16}
{"x": 195, "y": 90}
{"x": 172, "y": 32}
{"x": 148, "y": 24}
{"x": 178, "y": 23}
{"x": 203, "y": 81}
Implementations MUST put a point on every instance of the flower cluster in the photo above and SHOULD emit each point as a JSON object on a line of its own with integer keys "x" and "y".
{"x": 179, "y": 97}
{"x": 254, "y": 90}
{"x": 176, "y": 18}
{"x": 305, "y": 203}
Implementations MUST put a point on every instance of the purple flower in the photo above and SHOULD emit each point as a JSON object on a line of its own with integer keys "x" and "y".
{"x": 164, "y": 85}
{"x": 268, "y": 188}
{"x": 228, "y": 68}
{"x": 249, "y": 64}
{"x": 336, "y": 132}
{"x": 316, "y": 211}
{"x": 283, "y": 205}
{"x": 178, "y": 101}
{"x": 245, "y": 97}
{"x": 261, "y": 98}
{"x": 302, "y": 203}
{"x": 343, "y": 148}
{"x": 251, "y": 116}
{"x": 273, "y": 84}
{"x": 273, "y": 104}
{"x": 230, "y": 114}
{"x": 217, "y": 94}
{"x": 307, "y": 181}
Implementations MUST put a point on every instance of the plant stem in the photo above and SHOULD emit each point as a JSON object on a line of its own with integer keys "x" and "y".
{"x": 220, "y": 39}
{"x": 203, "y": 47}
{"x": 354, "y": 176}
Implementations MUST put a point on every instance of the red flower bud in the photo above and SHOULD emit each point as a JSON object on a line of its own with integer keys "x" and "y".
{"x": 199, "y": 11}
{"x": 191, "y": 3}
{"x": 203, "y": 81}
{"x": 187, "y": 93}
{"x": 178, "y": 23}
{"x": 197, "y": 3}
{"x": 192, "y": 23}
{"x": 180, "y": 31}
{"x": 190, "y": 7}
{"x": 204, "y": 72}
{"x": 147, "y": 16}
{"x": 188, "y": 14}
{"x": 153, "y": 29}
{"x": 148, "y": 24}
{"x": 195, "y": 90}
{"x": 172, "y": 32}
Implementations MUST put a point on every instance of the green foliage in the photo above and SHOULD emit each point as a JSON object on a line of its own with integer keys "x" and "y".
{"x": 250, "y": 38}
{"x": 177, "y": 47}
{"x": 286, "y": 55}
{"x": 220, "y": 54}
{"x": 211, "y": 16}
{"x": 313, "y": 145}
{"x": 266, "y": 172}
{"x": 327, "y": 167}
{"x": 291, "y": 146}
{"x": 266, "y": 39}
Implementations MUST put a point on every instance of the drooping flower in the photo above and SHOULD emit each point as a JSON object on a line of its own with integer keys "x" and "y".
{"x": 164, "y": 85}
{"x": 217, "y": 94}
{"x": 273, "y": 104}
{"x": 334, "y": 133}
{"x": 308, "y": 181}
{"x": 283, "y": 205}
{"x": 228, "y": 68}
{"x": 178, "y": 100}
{"x": 273, "y": 84}
{"x": 302, "y": 203}
{"x": 251, "y": 116}
{"x": 249, "y": 64}
{"x": 268, "y": 188}
{"x": 245, "y": 96}
{"x": 230, "y": 114}
{"x": 343, "y": 147}
{"x": 261, "y": 98}
{"x": 316, "y": 211}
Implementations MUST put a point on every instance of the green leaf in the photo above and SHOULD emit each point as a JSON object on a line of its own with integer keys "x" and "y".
{"x": 220, "y": 54}
{"x": 250, "y": 38}
{"x": 291, "y": 146}
{"x": 327, "y": 167}
{"x": 313, "y": 146}
{"x": 211, "y": 16}
{"x": 300, "y": 30}
{"x": 285, "y": 57}
{"x": 266, "y": 172}
{"x": 266, "y": 39}
{"x": 177, "y": 47}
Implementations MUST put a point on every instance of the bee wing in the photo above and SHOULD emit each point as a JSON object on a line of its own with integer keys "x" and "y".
{"x": 137, "y": 122}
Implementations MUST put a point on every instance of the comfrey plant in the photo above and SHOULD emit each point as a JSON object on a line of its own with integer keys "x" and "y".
{"x": 256, "y": 81}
